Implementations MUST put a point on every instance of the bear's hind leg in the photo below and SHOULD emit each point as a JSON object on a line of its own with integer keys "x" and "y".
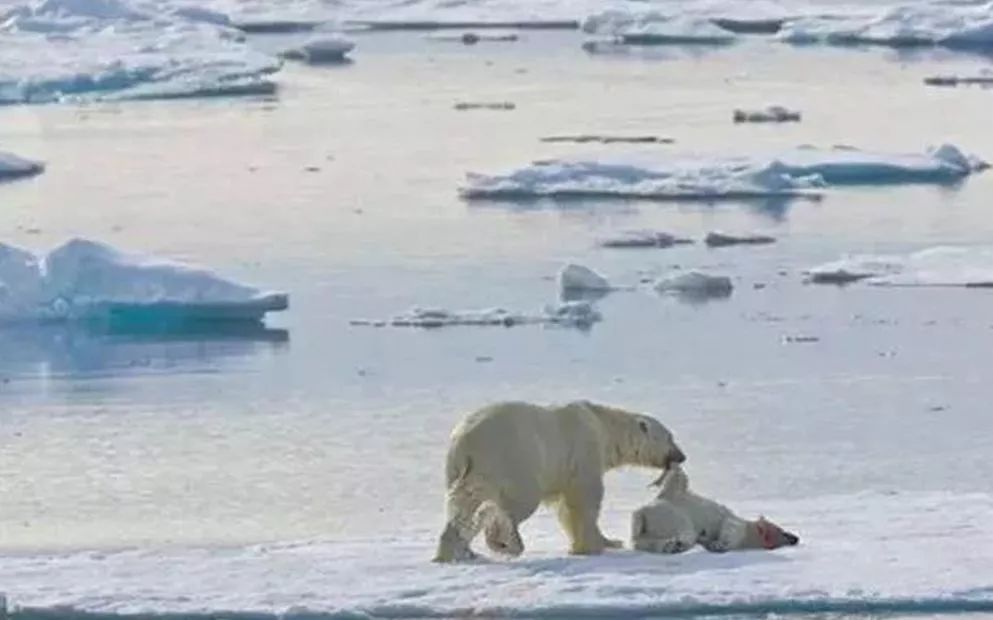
{"x": 462, "y": 525}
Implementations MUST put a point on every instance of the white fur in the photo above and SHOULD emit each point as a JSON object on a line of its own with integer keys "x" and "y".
{"x": 506, "y": 459}
{"x": 679, "y": 519}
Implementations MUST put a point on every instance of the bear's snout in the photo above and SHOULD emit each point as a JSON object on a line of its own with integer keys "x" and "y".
{"x": 791, "y": 539}
{"x": 675, "y": 456}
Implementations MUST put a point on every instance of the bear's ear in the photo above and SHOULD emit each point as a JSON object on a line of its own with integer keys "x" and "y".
{"x": 643, "y": 425}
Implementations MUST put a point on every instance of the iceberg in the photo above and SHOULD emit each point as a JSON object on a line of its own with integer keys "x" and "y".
{"x": 801, "y": 172}
{"x": 15, "y": 167}
{"x": 942, "y": 266}
{"x": 86, "y": 281}
{"x": 945, "y": 24}
{"x": 577, "y": 314}
{"x": 85, "y": 50}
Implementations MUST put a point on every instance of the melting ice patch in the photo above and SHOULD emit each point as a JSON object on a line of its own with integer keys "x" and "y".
{"x": 799, "y": 172}
{"x": 947, "y": 24}
{"x": 15, "y": 167}
{"x": 867, "y": 553}
{"x": 938, "y": 266}
{"x": 57, "y": 50}
{"x": 88, "y": 281}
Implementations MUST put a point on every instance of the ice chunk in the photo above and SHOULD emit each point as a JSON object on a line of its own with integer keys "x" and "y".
{"x": 771, "y": 114}
{"x": 14, "y": 167}
{"x": 792, "y": 173}
{"x": 654, "y": 28}
{"x": 718, "y": 239}
{"x": 695, "y": 285}
{"x": 608, "y": 139}
{"x": 644, "y": 239}
{"x": 970, "y": 267}
{"x": 472, "y": 38}
{"x": 59, "y": 50}
{"x": 326, "y": 49}
{"x": 483, "y": 105}
{"x": 89, "y": 281}
{"x": 948, "y": 24}
{"x": 580, "y": 278}
{"x": 983, "y": 78}
{"x": 579, "y": 314}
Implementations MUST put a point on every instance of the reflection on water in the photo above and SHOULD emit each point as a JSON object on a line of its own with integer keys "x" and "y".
{"x": 46, "y": 350}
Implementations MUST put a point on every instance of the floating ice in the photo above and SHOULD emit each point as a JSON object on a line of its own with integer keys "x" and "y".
{"x": 984, "y": 78}
{"x": 579, "y": 314}
{"x": 608, "y": 139}
{"x": 644, "y": 239}
{"x": 326, "y": 49}
{"x": 947, "y": 24}
{"x": 719, "y": 239}
{"x": 57, "y": 50}
{"x": 695, "y": 285}
{"x": 771, "y": 114}
{"x": 970, "y": 267}
{"x": 484, "y": 105}
{"x": 88, "y": 281}
{"x": 794, "y": 173}
{"x": 579, "y": 278}
{"x": 654, "y": 28}
{"x": 14, "y": 167}
{"x": 472, "y": 38}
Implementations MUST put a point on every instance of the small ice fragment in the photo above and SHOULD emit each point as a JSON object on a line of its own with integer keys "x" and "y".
{"x": 718, "y": 239}
{"x": 644, "y": 239}
{"x": 497, "y": 105}
{"x": 771, "y": 114}
{"x": 325, "y": 49}
{"x": 695, "y": 284}
{"x": 575, "y": 277}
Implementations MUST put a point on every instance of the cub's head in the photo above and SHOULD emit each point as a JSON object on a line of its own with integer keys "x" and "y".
{"x": 773, "y": 536}
{"x": 653, "y": 444}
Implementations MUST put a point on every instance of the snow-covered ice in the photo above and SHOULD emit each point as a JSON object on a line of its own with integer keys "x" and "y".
{"x": 771, "y": 114}
{"x": 866, "y": 553}
{"x": 644, "y": 239}
{"x": 88, "y": 281}
{"x": 695, "y": 285}
{"x": 57, "y": 50}
{"x": 718, "y": 239}
{"x": 798, "y": 172}
{"x": 16, "y": 167}
{"x": 965, "y": 266}
{"x": 321, "y": 50}
{"x": 579, "y": 314}
{"x": 947, "y": 24}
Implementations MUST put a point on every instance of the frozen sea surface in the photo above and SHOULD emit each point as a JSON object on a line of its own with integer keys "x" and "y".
{"x": 299, "y": 466}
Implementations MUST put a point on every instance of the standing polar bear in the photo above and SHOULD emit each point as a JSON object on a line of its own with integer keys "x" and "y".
{"x": 507, "y": 458}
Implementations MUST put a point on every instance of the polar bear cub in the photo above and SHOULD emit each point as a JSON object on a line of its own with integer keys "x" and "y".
{"x": 506, "y": 459}
{"x": 679, "y": 519}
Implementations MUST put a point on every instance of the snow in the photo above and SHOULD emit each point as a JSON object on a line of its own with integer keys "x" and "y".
{"x": 965, "y": 266}
{"x": 108, "y": 49}
{"x": 644, "y": 239}
{"x": 872, "y": 552}
{"x": 324, "y": 49}
{"x": 695, "y": 285}
{"x": 663, "y": 177}
{"x": 771, "y": 114}
{"x": 15, "y": 167}
{"x": 717, "y": 239}
{"x": 579, "y": 314}
{"x": 88, "y": 281}
{"x": 652, "y": 28}
{"x": 955, "y": 25}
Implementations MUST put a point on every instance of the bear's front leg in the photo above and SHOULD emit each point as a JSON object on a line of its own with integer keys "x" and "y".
{"x": 579, "y": 509}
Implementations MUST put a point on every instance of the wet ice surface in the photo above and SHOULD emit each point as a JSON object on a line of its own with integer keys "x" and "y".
{"x": 192, "y": 448}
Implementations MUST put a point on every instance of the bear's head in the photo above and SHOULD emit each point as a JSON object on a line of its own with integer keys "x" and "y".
{"x": 772, "y": 536}
{"x": 652, "y": 444}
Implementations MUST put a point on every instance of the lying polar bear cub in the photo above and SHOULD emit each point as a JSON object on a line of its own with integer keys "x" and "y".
{"x": 679, "y": 518}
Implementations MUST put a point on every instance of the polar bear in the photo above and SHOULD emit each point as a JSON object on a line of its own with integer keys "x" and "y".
{"x": 679, "y": 519}
{"x": 507, "y": 458}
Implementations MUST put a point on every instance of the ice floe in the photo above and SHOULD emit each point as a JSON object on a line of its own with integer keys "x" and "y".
{"x": 656, "y": 28}
{"x": 578, "y": 314}
{"x": 462, "y": 106}
{"x": 88, "y": 281}
{"x": 643, "y": 239}
{"x": 324, "y": 49}
{"x": 771, "y": 114}
{"x": 947, "y": 24}
{"x": 57, "y": 50}
{"x": 717, "y": 239}
{"x": 15, "y": 167}
{"x": 983, "y": 78}
{"x": 799, "y": 172}
{"x": 472, "y": 38}
{"x": 966, "y": 266}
